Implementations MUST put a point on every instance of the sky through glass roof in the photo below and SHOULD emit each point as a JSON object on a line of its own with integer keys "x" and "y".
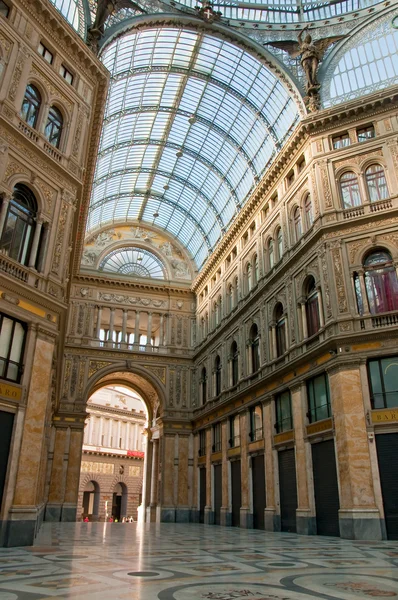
{"x": 191, "y": 123}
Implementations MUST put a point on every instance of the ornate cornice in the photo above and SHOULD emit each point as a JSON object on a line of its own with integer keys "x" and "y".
{"x": 161, "y": 286}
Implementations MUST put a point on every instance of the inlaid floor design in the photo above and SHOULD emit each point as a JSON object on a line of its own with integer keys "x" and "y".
{"x": 115, "y": 561}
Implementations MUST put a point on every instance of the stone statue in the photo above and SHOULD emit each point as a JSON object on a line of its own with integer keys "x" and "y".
{"x": 106, "y": 8}
{"x": 311, "y": 53}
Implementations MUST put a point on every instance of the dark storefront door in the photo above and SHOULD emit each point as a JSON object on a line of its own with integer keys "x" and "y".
{"x": 258, "y": 481}
{"x": 236, "y": 492}
{"x": 6, "y": 425}
{"x": 387, "y": 453}
{"x": 287, "y": 489}
{"x": 326, "y": 488}
{"x": 202, "y": 495}
{"x": 217, "y": 493}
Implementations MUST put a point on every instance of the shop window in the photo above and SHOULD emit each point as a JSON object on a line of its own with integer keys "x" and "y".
{"x": 235, "y": 363}
{"x": 365, "y": 133}
{"x": 254, "y": 343}
{"x": 341, "y": 141}
{"x": 216, "y": 438}
{"x": 202, "y": 442}
{"x": 12, "y": 343}
{"x": 383, "y": 382}
{"x": 256, "y": 423}
{"x": 376, "y": 183}
{"x": 66, "y": 74}
{"x": 284, "y": 416}
{"x": 349, "y": 188}
{"x": 31, "y": 105}
{"x": 312, "y": 307}
{"x": 234, "y": 431}
{"x": 318, "y": 398}
{"x": 19, "y": 225}
{"x": 45, "y": 53}
{"x": 53, "y": 130}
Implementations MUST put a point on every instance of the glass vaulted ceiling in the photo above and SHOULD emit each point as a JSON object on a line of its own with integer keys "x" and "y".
{"x": 191, "y": 123}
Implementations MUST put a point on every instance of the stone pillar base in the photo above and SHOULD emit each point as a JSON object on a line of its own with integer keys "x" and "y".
{"x": 366, "y": 524}
{"x": 209, "y": 516}
{"x": 166, "y": 514}
{"x": 183, "y": 515}
{"x": 68, "y": 514}
{"x": 53, "y": 512}
{"x": 225, "y": 517}
{"x": 22, "y": 526}
{"x": 151, "y": 514}
{"x": 195, "y": 515}
{"x": 246, "y": 519}
{"x": 270, "y": 520}
{"x": 305, "y": 522}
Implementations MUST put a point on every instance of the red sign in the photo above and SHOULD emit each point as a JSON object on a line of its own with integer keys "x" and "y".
{"x": 135, "y": 453}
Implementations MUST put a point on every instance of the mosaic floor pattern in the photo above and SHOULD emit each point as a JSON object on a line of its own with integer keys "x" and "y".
{"x": 115, "y": 561}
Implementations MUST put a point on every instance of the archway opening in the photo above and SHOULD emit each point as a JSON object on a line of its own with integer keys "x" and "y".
{"x": 113, "y": 454}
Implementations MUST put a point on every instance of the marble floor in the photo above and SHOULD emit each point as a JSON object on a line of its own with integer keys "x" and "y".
{"x": 114, "y": 561}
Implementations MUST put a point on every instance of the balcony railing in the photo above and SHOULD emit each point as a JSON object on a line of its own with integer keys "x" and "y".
{"x": 7, "y": 265}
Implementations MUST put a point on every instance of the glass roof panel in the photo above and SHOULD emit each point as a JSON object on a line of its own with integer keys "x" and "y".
{"x": 134, "y": 262}
{"x": 73, "y": 12}
{"x": 191, "y": 123}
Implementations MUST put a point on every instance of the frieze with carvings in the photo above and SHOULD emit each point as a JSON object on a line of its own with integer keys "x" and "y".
{"x": 339, "y": 279}
{"x": 22, "y": 57}
{"x": 358, "y": 159}
{"x": 13, "y": 168}
{"x": 96, "y": 365}
{"x": 53, "y": 91}
{"x": 5, "y": 43}
{"x": 120, "y": 299}
{"x": 159, "y": 372}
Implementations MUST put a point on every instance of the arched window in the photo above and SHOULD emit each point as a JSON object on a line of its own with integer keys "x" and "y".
{"x": 254, "y": 347}
{"x": 280, "y": 330}
{"x": 219, "y": 310}
{"x": 312, "y": 307}
{"x": 215, "y": 315}
{"x": 309, "y": 216}
{"x": 203, "y": 383}
{"x": 376, "y": 182}
{"x": 16, "y": 239}
{"x": 230, "y": 298}
{"x": 217, "y": 367}
{"x": 31, "y": 105}
{"x": 350, "y": 190}
{"x": 298, "y": 230}
{"x": 279, "y": 241}
{"x": 255, "y": 269}
{"x": 206, "y": 323}
{"x": 271, "y": 255}
{"x": 249, "y": 280}
{"x": 235, "y": 363}
{"x": 236, "y": 292}
{"x": 381, "y": 283}
{"x": 53, "y": 130}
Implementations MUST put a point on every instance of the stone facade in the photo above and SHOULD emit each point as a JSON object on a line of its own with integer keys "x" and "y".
{"x": 281, "y": 306}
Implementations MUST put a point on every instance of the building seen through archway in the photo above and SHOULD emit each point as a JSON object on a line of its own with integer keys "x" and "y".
{"x": 111, "y": 471}
{"x": 198, "y": 209}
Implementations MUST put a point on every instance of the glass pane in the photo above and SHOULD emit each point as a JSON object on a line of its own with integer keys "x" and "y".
{"x": 17, "y": 342}
{"x": 5, "y": 337}
{"x": 389, "y": 368}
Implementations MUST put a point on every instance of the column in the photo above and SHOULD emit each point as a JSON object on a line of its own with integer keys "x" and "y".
{"x": 244, "y": 458}
{"x": 119, "y": 424}
{"x": 101, "y": 430}
{"x": 358, "y": 515}
{"x": 209, "y": 513}
{"x": 161, "y": 330}
{"x": 137, "y": 328}
{"x": 35, "y": 243}
{"x": 149, "y": 329}
{"x": 320, "y": 306}
{"x": 127, "y": 440}
{"x": 146, "y": 478}
{"x": 111, "y": 325}
{"x": 69, "y": 507}
{"x": 124, "y": 326}
{"x": 154, "y": 473}
{"x": 98, "y": 326}
{"x": 109, "y": 433}
{"x": 304, "y": 319}
{"x": 90, "y": 429}
{"x": 225, "y": 516}
{"x": 305, "y": 513}
{"x": 136, "y": 445}
{"x": 271, "y": 518}
{"x": 365, "y": 304}
{"x": 3, "y": 212}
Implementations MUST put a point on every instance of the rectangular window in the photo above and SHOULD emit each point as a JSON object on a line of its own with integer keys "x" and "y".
{"x": 365, "y": 133}
{"x": 217, "y": 437}
{"x": 341, "y": 141}
{"x": 202, "y": 442}
{"x": 46, "y": 54}
{"x": 284, "y": 417}
{"x": 4, "y": 9}
{"x": 12, "y": 343}
{"x": 67, "y": 75}
{"x": 234, "y": 431}
{"x": 102, "y": 440}
{"x": 318, "y": 398}
{"x": 383, "y": 382}
{"x": 256, "y": 423}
